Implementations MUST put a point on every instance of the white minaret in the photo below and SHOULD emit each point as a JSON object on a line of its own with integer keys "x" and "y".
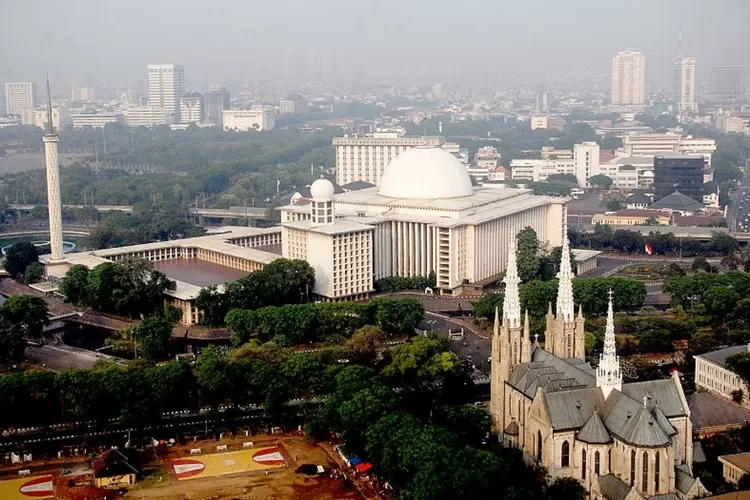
{"x": 511, "y": 300}
{"x": 565, "y": 305}
{"x": 53, "y": 185}
{"x": 608, "y": 375}
{"x": 321, "y": 205}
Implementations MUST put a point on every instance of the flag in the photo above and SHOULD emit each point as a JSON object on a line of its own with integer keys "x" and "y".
{"x": 649, "y": 249}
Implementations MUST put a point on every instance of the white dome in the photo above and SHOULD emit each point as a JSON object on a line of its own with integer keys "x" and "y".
{"x": 424, "y": 173}
{"x": 648, "y": 173}
{"x": 322, "y": 189}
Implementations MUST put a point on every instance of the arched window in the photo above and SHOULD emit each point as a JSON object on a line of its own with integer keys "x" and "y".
{"x": 539, "y": 445}
{"x": 632, "y": 468}
{"x": 565, "y": 455}
{"x": 583, "y": 464}
{"x": 656, "y": 472}
{"x": 645, "y": 472}
{"x": 609, "y": 461}
{"x": 596, "y": 463}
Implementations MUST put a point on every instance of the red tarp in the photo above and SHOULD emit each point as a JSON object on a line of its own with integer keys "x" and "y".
{"x": 363, "y": 467}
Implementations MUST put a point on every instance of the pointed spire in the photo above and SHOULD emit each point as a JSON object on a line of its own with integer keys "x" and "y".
{"x": 496, "y": 326}
{"x": 50, "y": 130}
{"x": 512, "y": 301}
{"x": 580, "y": 311}
{"x": 608, "y": 375}
{"x": 549, "y": 309}
{"x": 565, "y": 305}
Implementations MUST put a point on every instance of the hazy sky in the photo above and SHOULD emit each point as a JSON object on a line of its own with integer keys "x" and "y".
{"x": 102, "y": 41}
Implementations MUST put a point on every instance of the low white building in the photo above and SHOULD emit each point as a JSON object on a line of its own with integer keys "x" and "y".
{"x": 145, "y": 116}
{"x": 38, "y": 117}
{"x": 95, "y": 120}
{"x": 192, "y": 108}
{"x": 712, "y": 375}
{"x": 539, "y": 121}
{"x": 425, "y": 216}
{"x": 242, "y": 120}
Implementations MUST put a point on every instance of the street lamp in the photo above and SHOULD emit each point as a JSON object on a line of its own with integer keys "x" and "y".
{"x": 432, "y": 322}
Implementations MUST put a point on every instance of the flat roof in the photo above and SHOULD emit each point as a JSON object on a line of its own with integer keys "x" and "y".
{"x": 581, "y": 255}
{"x": 739, "y": 460}
{"x": 340, "y": 226}
{"x": 198, "y": 272}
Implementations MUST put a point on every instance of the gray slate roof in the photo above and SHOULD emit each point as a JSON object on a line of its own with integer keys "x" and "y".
{"x": 572, "y": 409}
{"x": 663, "y": 421}
{"x": 677, "y": 201}
{"x": 720, "y": 357}
{"x": 639, "y": 198}
{"x": 551, "y": 374}
{"x": 708, "y": 410}
{"x": 632, "y": 423}
{"x": 613, "y": 488}
{"x": 594, "y": 431}
{"x": 684, "y": 480}
{"x": 356, "y": 186}
{"x": 699, "y": 456}
{"x": 666, "y": 496}
{"x": 663, "y": 393}
{"x": 512, "y": 429}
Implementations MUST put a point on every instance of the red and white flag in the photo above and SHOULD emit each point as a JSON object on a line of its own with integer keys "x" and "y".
{"x": 649, "y": 249}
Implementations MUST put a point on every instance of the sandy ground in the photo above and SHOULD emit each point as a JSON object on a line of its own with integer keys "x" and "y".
{"x": 278, "y": 484}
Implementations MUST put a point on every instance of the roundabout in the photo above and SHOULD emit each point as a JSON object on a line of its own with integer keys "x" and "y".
{"x": 68, "y": 246}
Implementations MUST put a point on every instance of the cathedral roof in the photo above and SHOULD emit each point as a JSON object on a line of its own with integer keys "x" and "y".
{"x": 512, "y": 429}
{"x": 551, "y": 374}
{"x": 658, "y": 392}
{"x": 613, "y": 488}
{"x": 632, "y": 422}
{"x": 594, "y": 431}
{"x": 663, "y": 421}
{"x": 571, "y": 409}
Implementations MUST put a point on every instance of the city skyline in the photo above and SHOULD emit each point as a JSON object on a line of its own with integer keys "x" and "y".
{"x": 372, "y": 44}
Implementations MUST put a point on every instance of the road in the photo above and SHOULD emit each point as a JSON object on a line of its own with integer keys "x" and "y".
{"x": 472, "y": 345}
{"x": 608, "y": 264}
{"x": 64, "y": 357}
{"x": 738, "y": 214}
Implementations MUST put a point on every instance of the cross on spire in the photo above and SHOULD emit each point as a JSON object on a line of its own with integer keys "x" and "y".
{"x": 565, "y": 303}
{"x": 608, "y": 375}
{"x": 511, "y": 300}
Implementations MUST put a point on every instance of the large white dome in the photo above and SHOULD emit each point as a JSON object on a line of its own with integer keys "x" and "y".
{"x": 424, "y": 173}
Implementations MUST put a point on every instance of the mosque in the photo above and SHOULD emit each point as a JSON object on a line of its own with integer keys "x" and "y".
{"x": 623, "y": 441}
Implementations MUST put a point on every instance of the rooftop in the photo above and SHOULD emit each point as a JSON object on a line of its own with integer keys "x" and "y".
{"x": 739, "y": 460}
{"x": 678, "y": 202}
{"x": 709, "y": 412}
{"x": 720, "y": 357}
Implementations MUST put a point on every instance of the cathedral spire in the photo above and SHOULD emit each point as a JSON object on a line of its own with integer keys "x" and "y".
{"x": 565, "y": 305}
{"x": 511, "y": 301}
{"x": 608, "y": 375}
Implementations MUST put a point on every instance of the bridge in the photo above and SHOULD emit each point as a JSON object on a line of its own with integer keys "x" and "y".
{"x": 210, "y": 213}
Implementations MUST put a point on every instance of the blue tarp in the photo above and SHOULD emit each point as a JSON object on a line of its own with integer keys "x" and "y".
{"x": 355, "y": 461}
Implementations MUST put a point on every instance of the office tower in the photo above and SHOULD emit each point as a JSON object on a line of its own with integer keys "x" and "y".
{"x": 191, "y": 108}
{"x": 628, "y": 79}
{"x": 541, "y": 105}
{"x": 293, "y": 104}
{"x": 85, "y": 94}
{"x": 675, "y": 172}
{"x": 166, "y": 85}
{"x": 684, "y": 84}
{"x": 585, "y": 162}
{"x": 313, "y": 66}
{"x": 19, "y": 96}
{"x": 216, "y": 100}
{"x": 727, "y": 81}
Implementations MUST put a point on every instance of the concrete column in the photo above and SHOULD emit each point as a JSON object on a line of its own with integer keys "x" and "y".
{"x": 53, "y": 196}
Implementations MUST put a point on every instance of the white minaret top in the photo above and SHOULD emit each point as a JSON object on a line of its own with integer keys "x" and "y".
{"x": 565, "y": 305}
{"x": 321, "y": 206}
{"x": 53, "y": 185}
{"x": 608, "y": 375}
{"x": 512, "y": 301}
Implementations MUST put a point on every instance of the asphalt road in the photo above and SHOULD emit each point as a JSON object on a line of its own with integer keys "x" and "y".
{"x": 472, "y": 348}
{"x": 63, "y": 357}
{"x": 739, "y": 211}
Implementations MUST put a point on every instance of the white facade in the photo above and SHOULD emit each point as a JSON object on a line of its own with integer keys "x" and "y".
{"x": 629, "y": 79}
{"x": 38, "y": 117}
{"x": 732, "y": 124}
{"x": 540, "y": 170}
{"x": 242, "y": 120}
{"x": 95, "y": 120}
{"x": 441, "y": 224}
{"x": 82, "y": 94}
{"x": 19, "y": 96}
{"x": 585, "y": 162}
{"x": 684, "y": 84}
{"x": 166, "y": 85}
{"x": 365, "y": 158}
{"x": 712, "y": 376}
{"x": 293, "y": 105}
{"x": 192, "y": 108}
{"x": 657, "y": 144}
{"x": 539, "y": 121}
{"x": 146, "y": 116}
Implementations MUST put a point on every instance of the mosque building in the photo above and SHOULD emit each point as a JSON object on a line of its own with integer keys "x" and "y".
{"x": 623, "y": 441}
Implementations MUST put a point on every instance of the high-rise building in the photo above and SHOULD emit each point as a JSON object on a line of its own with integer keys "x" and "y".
{"x": 727, "y": 81}
{"x": 85, "y": 94}
{"x": 293, "y": 104}
{"x": 684, "y": 84}
{"x": 19, "y": 96}
{"x": 191, "y": 108}
{"x": 314, "y": 66}
{"x": 628, "y": 80}
{"x": 166, "y": 85}
{"x": 585, "y": 162}
{"x": 365, "y": 158}
{"x": 675, "y": 172}
{"x": 216, "y": 100}
{"x": 542, "y": 104}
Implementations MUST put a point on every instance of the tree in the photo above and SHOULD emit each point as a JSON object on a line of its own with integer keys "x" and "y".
{"x": 723, "y": 243}
{"x": 740, "y": 364}
{"x": 566, "y": 488}
{"x": 485, "y": 307}
{"x": 20, "y": 256}
{"x": 152, "y": 338}
{"x": 701, "y": 264}
{"x": 601, "y": 181}
{"x": 364, "y": 343}
{"x": 12, "y": 343}
{"x": 737, "y": 396}
{"x": 528, "y": 254}
{"x": 33, "y": 273}
{"x": 613, "y": 205}
{"x": 213, "y": 306}
{"x": 398, "y": 316}
{"x": 27, "y": 312}
{"x": 744, "y": 482}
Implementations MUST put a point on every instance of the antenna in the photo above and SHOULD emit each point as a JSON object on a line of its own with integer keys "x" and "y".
{"x": 50, "y": 130}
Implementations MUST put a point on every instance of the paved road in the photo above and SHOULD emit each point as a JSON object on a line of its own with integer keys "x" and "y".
{"x": 472, "y": 345}
{"x": 63, "y": 357}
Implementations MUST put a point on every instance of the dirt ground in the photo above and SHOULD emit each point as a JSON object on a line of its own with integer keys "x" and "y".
{"x": 278, "y": 484}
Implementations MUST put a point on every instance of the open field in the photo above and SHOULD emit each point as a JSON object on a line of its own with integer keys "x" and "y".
{"x": 22, "y": 162}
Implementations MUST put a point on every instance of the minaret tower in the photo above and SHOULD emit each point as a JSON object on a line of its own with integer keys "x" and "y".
{"x": 564, "y": 336}
{"x": 511, "y": 345}
{"x": 608, "y": 374}
{"x": 53, "y": 185}
{"x": 321, "y": 205}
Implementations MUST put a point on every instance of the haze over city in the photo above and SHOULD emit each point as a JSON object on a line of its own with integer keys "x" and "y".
{"x": 385, "y": 41}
